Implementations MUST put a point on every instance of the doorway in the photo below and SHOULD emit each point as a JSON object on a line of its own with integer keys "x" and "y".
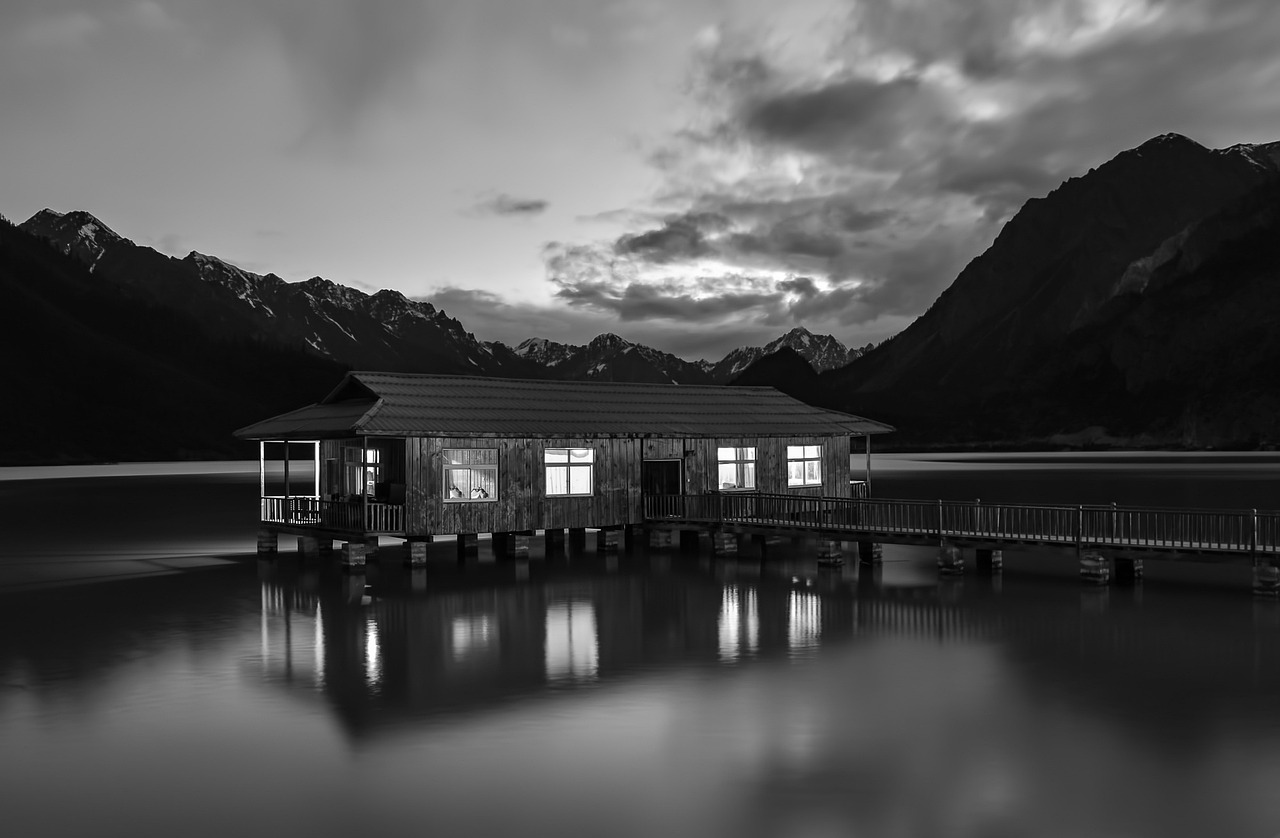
{"x": 661, "y": 477}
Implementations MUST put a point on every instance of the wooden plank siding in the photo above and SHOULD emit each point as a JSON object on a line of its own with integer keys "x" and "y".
{"x": 701, "y": 464}
{"x": 521, "y": 502}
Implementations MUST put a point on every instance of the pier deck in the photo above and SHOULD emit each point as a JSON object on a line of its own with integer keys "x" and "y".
{"x": 1212, "y": 533}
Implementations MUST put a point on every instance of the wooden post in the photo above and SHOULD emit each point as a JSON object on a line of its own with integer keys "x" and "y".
{"x": 287, "y": 516}
{"x": 868, "y": 481}
{"x": 308, "y": 547}
{"x": 940, "y": 536}
{"x": 1079, "y": 530}
{"x": 1128, "y": 570}
{"x": 262, "y": 473}
{"x": 364, "y": 483}
{"x": 468, "y": 545}
{"x": 577, "y": 541}
{"x": 689, "y": 541}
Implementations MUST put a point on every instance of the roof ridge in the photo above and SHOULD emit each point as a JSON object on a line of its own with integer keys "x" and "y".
{"x": 560, "y": 381}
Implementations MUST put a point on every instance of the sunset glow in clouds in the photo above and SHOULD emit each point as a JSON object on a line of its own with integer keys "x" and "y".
{"x": 693, "y": 175}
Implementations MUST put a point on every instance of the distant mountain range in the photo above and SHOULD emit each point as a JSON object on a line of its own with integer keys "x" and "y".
{"x": 1135, "y": 306}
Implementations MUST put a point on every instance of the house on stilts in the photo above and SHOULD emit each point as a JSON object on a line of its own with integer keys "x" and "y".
{"x": 417, "y": 456}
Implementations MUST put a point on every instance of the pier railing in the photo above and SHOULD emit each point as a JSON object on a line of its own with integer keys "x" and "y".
{"x": 339, "y": 516}
{"x": 1193, "y": 530}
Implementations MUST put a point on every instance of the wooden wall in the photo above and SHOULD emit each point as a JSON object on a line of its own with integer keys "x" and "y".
{"x": 701, "y": 465}
{"x": 521, "y": 503}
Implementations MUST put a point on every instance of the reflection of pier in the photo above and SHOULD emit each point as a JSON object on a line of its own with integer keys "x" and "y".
{"x": 473, "y": 641}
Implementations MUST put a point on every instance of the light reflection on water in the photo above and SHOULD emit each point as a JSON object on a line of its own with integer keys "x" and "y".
{"x": 646, "y": 695}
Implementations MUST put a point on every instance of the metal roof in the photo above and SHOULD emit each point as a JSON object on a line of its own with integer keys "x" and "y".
{"x": 401, "y": 404}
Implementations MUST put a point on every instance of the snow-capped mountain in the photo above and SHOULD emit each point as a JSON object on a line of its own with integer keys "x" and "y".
{"x": 384, "y": 330}
{"x": 823, "y": 352}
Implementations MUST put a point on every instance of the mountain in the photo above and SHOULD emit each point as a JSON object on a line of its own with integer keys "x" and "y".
{"x": 611, "y": 358}
{"x": 101, "y": 372}
{"x": 1136, "y": 304}
{"x": 385, "y": 330}
{"x": 823, "y": 352}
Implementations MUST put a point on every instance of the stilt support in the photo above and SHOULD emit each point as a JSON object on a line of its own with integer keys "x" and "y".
{"x": 353, "y": 556}
{"x": 609, "y": 540}
{"x": 661, "y": 539}
{"x": 416, "y": 551}
{"x": 268, "y": 543}
{"x": 632, "y": 536}
{"x": 553, "y": 542}
{"x": 1095, "y": 568}
{"x": 577, "y": 541}
{"x": 724, "y": 544}
{"x": 1266, "y": 577}
{"x": 950, "y": 559}
{"x": 468, "y": 545}
{"x": 689, "y": 541}
{"x": 830, "y": 553}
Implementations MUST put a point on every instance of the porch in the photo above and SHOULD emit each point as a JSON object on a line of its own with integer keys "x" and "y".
{"x": 340, "y": 517}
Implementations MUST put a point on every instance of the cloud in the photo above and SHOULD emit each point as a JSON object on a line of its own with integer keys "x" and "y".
{"x": 504, "y": 204}
{"x": 859, "y": 172}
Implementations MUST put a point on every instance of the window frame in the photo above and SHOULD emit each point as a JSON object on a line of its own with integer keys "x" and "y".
{"x": 739, "y": 461}
{"x": 569, "y": 466}
{"x": 804, "y": 458}
{"x": 471, "y": 468}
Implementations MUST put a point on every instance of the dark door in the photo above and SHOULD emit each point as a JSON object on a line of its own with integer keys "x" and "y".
{"x": 661, "y": 477}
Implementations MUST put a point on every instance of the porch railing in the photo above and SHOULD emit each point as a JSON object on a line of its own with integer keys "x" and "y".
{"x": 340, "y": 516}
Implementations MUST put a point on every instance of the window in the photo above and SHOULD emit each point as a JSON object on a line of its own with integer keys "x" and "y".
{"x": 804, "y": 465}
{"x": 569, "y": 470}
{"x": 470, "y": 474}
{"x": 737, "y": 468}
{"x": 371, "y": 466}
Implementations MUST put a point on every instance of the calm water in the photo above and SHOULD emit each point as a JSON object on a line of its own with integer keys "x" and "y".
{"x": 155, "y": 681}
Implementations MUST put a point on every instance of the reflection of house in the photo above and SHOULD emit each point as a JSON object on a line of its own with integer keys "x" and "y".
{"x": 418, "y": 455}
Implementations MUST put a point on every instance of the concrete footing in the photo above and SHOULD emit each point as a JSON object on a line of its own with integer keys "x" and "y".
{"x": 553, "y": 542}
{"x": 830, "y": 552}
{"x": 950, "y": 559}
{"x": 1266, "y": 578}
{"x": 1095, "y": 568}
{"x": 609, "y": 540}
{"x": 576, "y": 541}
{"x": 988, "y": 561}
{"x": 661, "y": 539}
{"x": 353, "y": 556}
{"x": 724, "y": 544}
{"x": 468, "y": 545}
{"x": 632, "y": 536}
{"x": 416, "y": 552}
{"x": 268, "y": 543}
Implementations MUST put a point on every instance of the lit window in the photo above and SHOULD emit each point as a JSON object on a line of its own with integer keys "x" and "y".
{"x": 569, "y": 470}
{"x": 737, "y": 468}
{"x": 362, "y": 475}
{"x": 804, "y": 465}
{"x": 470, "y": 474}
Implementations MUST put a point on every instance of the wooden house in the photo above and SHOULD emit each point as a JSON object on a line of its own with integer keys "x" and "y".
{"x": 419, "y": 455}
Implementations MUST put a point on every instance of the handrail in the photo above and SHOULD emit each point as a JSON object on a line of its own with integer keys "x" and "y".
{"x": 340, "y": 516}
{"x": 1220, "y": 530}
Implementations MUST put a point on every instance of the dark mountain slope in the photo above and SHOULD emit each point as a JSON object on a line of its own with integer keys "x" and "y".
{"x": 1052, "y": 268}
{"x": 98, "y": 373}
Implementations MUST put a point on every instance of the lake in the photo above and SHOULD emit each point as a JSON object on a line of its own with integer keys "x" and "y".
{"x": 157, "y": 679}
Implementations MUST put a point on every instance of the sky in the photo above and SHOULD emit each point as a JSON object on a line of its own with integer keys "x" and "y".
{"x": 695, "y": 175}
